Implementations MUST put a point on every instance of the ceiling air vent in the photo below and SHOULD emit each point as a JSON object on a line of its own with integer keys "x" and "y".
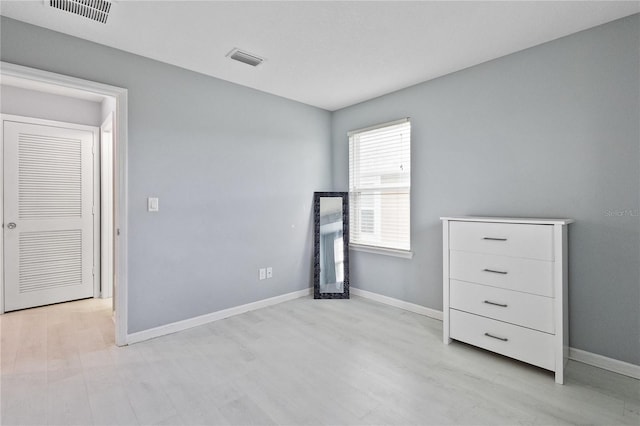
{"x": 245, "y": 57}
{"x": 98, "y": 10}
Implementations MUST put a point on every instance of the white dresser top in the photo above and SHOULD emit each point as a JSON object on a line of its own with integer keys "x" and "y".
{"x": 530, "y": 220}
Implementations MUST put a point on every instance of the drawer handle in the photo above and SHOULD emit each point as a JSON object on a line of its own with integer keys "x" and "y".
{"x": 495, "y": 272}
{"x": 504, "y": 339}
{"x": 494, "y": 239}
{"x": 489, "y": 302}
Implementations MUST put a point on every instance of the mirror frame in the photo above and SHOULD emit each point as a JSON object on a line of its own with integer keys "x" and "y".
{"x": 316, "y": 244}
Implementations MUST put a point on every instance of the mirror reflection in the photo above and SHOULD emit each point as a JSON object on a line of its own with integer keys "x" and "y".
{"x": 331, "y": 245}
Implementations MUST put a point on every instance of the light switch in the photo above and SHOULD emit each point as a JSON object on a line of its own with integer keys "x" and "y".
{"x": 152, "y": 204}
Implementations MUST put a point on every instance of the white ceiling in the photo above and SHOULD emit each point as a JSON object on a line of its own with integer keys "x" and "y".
{"x": 326, "y": 53}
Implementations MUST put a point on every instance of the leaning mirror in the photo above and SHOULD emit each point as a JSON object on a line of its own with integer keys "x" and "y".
{"x": 331, "y": 245}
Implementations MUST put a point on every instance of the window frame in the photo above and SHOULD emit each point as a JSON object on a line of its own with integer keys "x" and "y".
{"x": 373, "y": 248}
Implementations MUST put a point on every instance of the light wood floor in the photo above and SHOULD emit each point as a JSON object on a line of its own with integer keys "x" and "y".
{"x": 335, "y": 362}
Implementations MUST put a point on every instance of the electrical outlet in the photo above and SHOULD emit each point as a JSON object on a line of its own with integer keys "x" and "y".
{"x": 269, "y": 272}
{"x": 263, "y": 273}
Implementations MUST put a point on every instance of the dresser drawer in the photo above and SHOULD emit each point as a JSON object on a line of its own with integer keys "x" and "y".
{"x": 506, "y": 239}
{"x": 511, "y": 273}
{"x": 534, "y": 347}
{"x": 514, "y": 307}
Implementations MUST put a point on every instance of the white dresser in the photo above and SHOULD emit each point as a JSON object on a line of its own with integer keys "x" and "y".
{"x": 505, "y": 287}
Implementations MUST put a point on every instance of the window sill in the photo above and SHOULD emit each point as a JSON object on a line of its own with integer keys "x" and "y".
{"x": 405, "y": 254}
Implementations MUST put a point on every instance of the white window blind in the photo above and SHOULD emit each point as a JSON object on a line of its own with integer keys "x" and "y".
{"x": 380, "y": 185}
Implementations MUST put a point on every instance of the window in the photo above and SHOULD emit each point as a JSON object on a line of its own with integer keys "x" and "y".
{"x": 380, "y": 186}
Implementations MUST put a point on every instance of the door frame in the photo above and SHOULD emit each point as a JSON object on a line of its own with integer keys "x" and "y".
{"x": 106, "y": 208}
{"x": 120, "y": 176}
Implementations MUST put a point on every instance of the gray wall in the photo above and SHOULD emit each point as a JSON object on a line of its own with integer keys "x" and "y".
{"x": 552, "y": 131}
{"x": 234, "y": 168}
{"x": 30, "y": 103}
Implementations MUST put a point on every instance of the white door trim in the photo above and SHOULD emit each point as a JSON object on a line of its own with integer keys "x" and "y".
{"x": 121, "y": 196}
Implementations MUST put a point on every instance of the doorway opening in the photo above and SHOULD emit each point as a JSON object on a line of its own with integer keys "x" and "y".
{"x": 109, "y": 120}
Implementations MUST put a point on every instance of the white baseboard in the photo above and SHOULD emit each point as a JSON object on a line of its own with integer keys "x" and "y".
{"x": 407, "y": 306}
{"x": 605, "y": 363}
{"x": 214, "y": 316}
{"x": 579, "y": 355}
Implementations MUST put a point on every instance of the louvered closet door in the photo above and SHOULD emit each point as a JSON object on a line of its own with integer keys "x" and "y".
{"x": 48, "y": 232}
